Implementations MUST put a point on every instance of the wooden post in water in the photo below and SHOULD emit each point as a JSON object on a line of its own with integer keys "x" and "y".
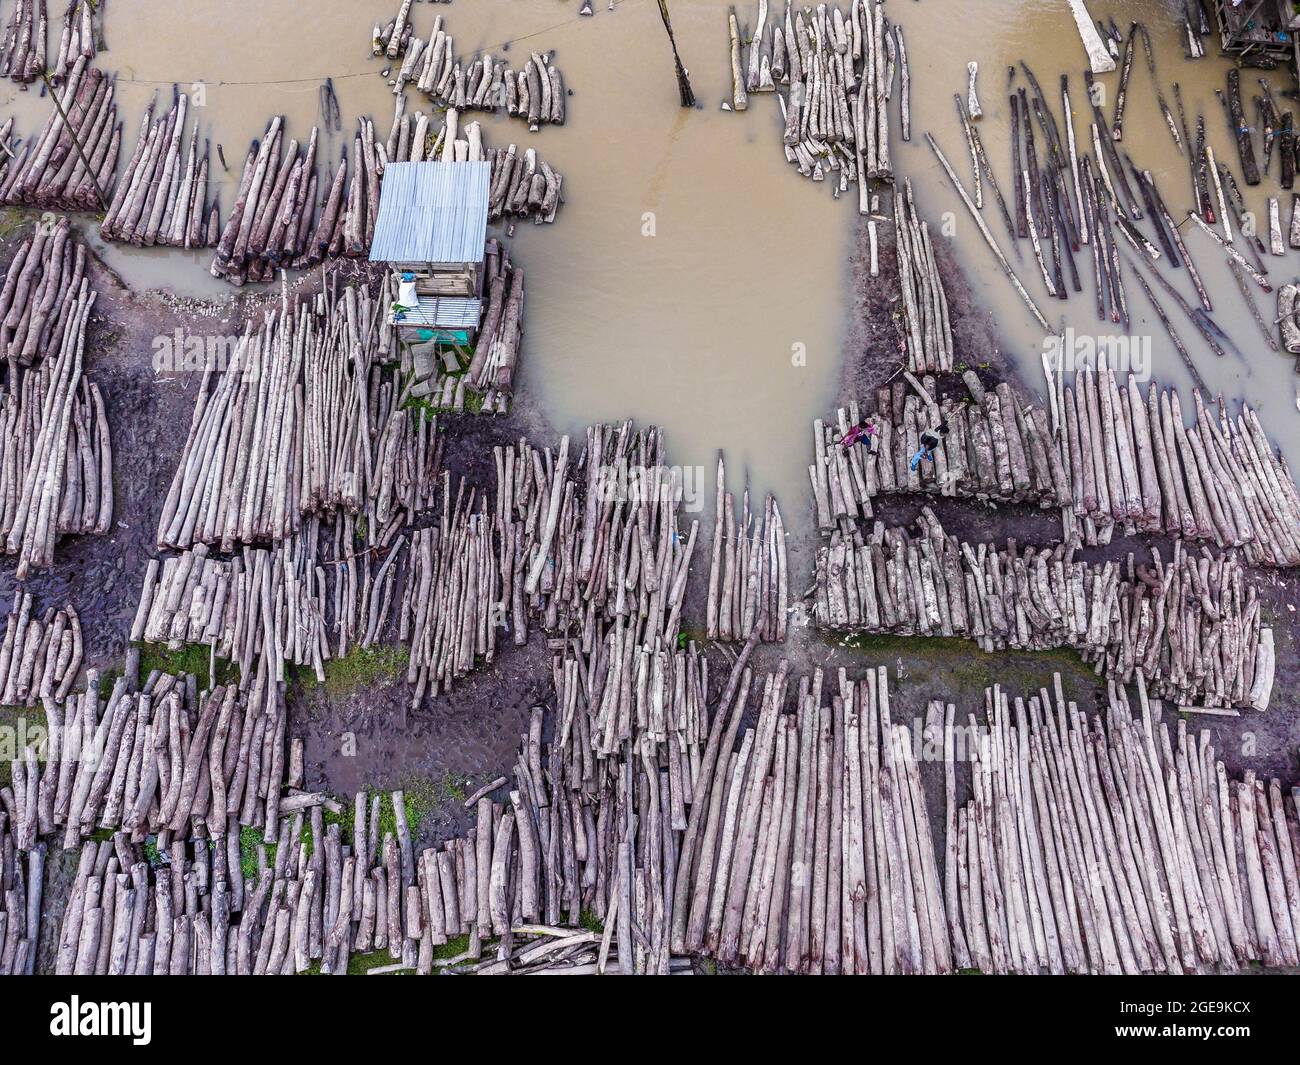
{"x": 683, "y": 82}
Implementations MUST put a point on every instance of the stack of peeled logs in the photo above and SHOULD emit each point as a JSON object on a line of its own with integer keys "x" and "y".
{"x": 748, "y": 573}
{"x": 22, "y": 879}
{"x": 840, "y": 70}
{"x": 804, "y": 844}
{"x": 535, "y": 93}
{"x": 162, "y": 197}
{"x": 164, "y": 760}
{"x": 1191, "y": 626}
{"x": 1107, "y": 456}
{"x": 282, "y": 218}
{"x": 41, "y": 655}
{"x": 62, "y": 171}
{"x": 56, "y": 461}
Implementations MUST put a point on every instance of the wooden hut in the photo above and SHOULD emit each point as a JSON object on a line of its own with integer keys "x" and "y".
{"x": 432, "y": 231}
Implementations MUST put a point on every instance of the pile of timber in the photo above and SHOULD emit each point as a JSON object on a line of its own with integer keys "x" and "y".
{"x": 59, "y": 171}
{"x": 22, "y": 51}
{"x": 840, "y": 70}
{"x": 1133, "y": 462}
{"x": 162, "y": 198}
{"x": 928, "y": 332}
{"x": 996, "y": 449}
{"x": 40, "y": 657}
{"x": 304, "y": 601}
{"x": 521, "y": 185}
{"x": 34, "y": 303}
{"x": 809, "y": 848}
{"x": 1110, "y": 848}
{"x": 1110, "y": 457}
{"x": 8, "y": 146}
{"x": 56, "y": 468}
{"x": 803, "y": 843}
{"x": 293, "y": 426}
{"x": 1190, "y": 627}
{"x": 22, "y": 879}
{"x": 282, "y": 218}
{"x": 534, "y": 93}
{"x": 271, "y": 221}
{"x": 78, "y": 37}
{"x": 444, "y": 378}
{"x": 748, "y": 574}
{"x": 160, "y": 760}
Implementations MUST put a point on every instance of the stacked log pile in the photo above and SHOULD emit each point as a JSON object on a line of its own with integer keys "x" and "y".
{"x": 805, "y": 845}
{"x": 162, "y": 198}
{"x": 56, "y": 475}
{"x": 928, "y": 332}
{"x": 1135, "y": 852}
{"x": 41, "y": 655}
{"x": 78, "y": 37}
{"x": 34, "y": 303}
{"x": 535, "y": 93}
{"x": 748, "y": 573}
{"x": 160, "y": 760}
{"x": 58, "y": 170}
{"x": 1111, "y": 457}
{"x": 996, "y": 448}
{"x": 282, "y": 217}
{"x": 1138, "y": 465}
{"x": 521, "y": 185}
{"x": 1191, "y": 627}
{"x": 22, "y": 51}
{"x": 22, "y": 879}
{"x": 293, "y": 426}
{"x": 271, "y": 220}
{"x": 840, "y": 70}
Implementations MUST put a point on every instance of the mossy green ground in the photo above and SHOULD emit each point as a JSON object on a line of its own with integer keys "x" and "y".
{"x": 959, "y": 665}
{"x": 360, "y": 667}
{"x": 418, "y": 800}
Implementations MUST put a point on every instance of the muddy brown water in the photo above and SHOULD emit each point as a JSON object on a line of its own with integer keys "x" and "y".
{"x": 693, "y": 279}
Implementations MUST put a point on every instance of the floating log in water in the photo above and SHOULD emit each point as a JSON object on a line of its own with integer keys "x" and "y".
{"x": 1241, "y": 130}
{"x": 22, "y": 50}
{"x": 1099, "y": 58}
{"x": 1191, "y": 627}
{"x": 70, "y": 165}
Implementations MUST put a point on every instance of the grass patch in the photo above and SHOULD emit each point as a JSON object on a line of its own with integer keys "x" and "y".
{"x": 360, "y": 667}
{"x": 963, "y": 666}
{"x": 20, "y": 726}
{"x": 192, "y": 658}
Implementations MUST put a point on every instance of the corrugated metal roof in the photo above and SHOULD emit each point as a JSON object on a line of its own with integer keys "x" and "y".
{"x": 443, "y": 312}
{"x": 432, "y": 213}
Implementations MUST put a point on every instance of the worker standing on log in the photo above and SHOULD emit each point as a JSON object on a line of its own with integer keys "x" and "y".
{"x": 930, "y": 440}
{"x": 865, "y": 432}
